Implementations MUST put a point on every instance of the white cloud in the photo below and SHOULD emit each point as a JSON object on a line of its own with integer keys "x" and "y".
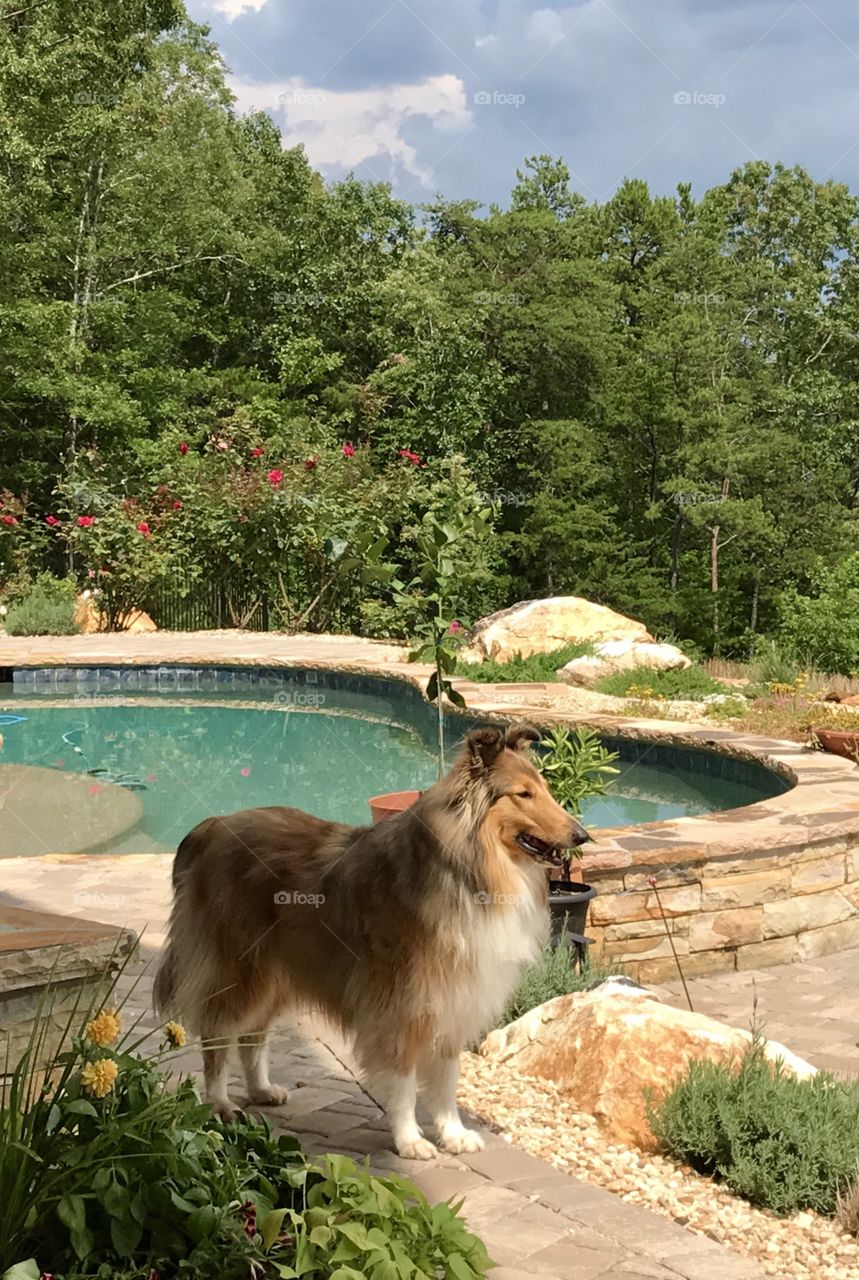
{"x": 546, "y": 26}
{"x": 231, "y": 9}
{"x": 342, "y": 129}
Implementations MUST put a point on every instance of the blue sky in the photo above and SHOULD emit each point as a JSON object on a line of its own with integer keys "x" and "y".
{"x": 450, "y": 95}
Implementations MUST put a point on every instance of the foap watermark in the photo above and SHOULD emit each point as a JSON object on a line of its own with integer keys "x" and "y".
{"x": 497, "y": 298}
{"x": 99, "y": 901}
{"x": 698, "y": 298}
{"x": 87, "y": 99}
{"x": 495, "y": 98}
{"x": 286, "y": 898}
{"x": 301, "y": 98}
{"x": 300, "y": 299}
{"x": 504, "y": 498}
{"x": 486, "y": 899}
{"x": 97, "y": 699}
{"x": 697, "y": 98}
{"x": 299, "y": 698}
{"x": 696, "y": 499}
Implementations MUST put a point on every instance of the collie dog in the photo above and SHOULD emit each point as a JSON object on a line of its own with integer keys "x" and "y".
{"x": 410, "y": 935}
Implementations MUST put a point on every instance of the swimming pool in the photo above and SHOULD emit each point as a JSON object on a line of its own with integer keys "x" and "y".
{"x": 318, "y": 743}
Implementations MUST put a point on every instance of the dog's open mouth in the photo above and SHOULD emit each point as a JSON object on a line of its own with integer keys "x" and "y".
{"x": 541, "y": 849}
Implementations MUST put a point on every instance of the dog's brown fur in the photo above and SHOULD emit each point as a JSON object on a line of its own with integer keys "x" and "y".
{"x": 384, "y": 929}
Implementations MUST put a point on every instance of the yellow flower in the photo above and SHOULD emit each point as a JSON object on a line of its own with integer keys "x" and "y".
{"x": 104, "y": 1028}
{"x": 175, "y": 1033}
{"x": 98, "y": 1077}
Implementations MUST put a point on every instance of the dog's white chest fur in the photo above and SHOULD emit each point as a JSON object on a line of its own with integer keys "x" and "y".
{"x": 498, "y": 939}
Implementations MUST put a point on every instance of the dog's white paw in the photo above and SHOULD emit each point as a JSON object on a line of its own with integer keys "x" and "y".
{"x": 460, "y": 1141}
{"x": 271, "y": 1096}
{"x": 225, "y": 1110}
{"x": 416, "y": 1149}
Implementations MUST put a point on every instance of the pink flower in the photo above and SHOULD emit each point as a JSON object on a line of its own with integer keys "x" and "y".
{"x": 183, "y": 448}
{"x": 246, "y": 773}
{"x": 275, "y": 477}
{"x": 256, "y": 453}
{"x": 177, "y": 505}
{"x": 651, "y": 880}
{"x": 348, "y": 450}
{"x": 222, "y": 445}
{"x": 310, "y": 464}
{"x": 9, "y": 520}
{"x": 414, "y": 458}
{"x": 143, "y": 528}
{"x": 86, "y": 522}
{"x": 456, "y": 625}
{"x": 52, "y": 521}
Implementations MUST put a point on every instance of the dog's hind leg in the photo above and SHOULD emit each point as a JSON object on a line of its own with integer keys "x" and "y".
{"x": 253, "y": 1049}
{"x": 439, "y": 1078}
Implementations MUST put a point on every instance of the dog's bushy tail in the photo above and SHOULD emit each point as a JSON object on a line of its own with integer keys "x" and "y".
{"x": 168, "y": 976}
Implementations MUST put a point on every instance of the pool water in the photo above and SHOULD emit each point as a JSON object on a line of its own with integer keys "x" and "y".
{"x": 188, "y": 760}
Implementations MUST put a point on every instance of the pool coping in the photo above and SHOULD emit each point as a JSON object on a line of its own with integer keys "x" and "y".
{"x": 800, "y": 844}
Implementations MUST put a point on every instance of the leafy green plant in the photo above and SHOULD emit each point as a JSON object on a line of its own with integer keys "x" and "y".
{"x": 782, "y": 1143}
{"x": 105, "y": 1172}
{"x": 692, "y": 683}
{"x": 537, "y": 668}
{"x": 772, "y": 663}
{"x": 356, "y": 1225}
{"x": 442, "y": 574}
{"x": 824, "y": 625}
{"x": 556, "y": 973}
{"x": 47, "y": 609}
{"x": 575, "y": 765}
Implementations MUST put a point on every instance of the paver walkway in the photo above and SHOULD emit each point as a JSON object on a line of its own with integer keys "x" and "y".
{"x": 812, "y": 1007}
{"x": 535, "y": 1220}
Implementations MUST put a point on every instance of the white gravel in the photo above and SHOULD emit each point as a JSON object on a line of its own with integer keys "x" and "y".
{"x": 536, "y": 1116}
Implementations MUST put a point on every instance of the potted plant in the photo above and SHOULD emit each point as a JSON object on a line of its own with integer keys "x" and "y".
{"x": 575, "y": 765}
{"x": 835, "y": 729}
{"x": 440, "y": 544}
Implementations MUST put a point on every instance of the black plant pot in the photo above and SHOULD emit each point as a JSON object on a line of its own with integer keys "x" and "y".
{"x": 568, "y": 906}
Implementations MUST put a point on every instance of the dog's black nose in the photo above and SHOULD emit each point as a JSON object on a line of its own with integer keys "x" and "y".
{"x": 578, "y": 835}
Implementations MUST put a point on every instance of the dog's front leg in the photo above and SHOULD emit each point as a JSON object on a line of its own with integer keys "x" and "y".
{"x": 439, "y": 1079}
{"x": 401, "y": 1094}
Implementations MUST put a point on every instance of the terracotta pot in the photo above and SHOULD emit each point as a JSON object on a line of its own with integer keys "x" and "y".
{"x": 839, "y": 742}
{"x": 388, "y": 806}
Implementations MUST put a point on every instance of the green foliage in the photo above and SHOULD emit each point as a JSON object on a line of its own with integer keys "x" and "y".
{"x": 771, "y": 662}
{"x": 824, "y": 625}
{"x": 537, "y": 668}
{"x": 105, "y": 1172}
{"x": 782, "y": 1143}
{"x": 576, "y": 765}
{"x": 556, "y": 973}
{"x": 46, "y": 609}
{"x": 643, "y": 682}
{"x": 357, "y": 1225}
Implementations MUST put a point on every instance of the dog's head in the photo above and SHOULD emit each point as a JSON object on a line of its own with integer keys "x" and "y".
{"x": 520, "y": 811}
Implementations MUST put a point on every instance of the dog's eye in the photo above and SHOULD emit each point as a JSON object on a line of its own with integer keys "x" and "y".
{"x": 524, "y": 795}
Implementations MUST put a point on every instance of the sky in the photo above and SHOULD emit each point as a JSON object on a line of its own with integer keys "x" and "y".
{"x": 450, "y": 96}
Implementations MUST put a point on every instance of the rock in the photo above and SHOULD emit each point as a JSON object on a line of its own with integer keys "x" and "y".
{"x": 604, "y": 1047}
{"x": 620, "y": 655}
{"x": 90, "y": 619}
{"x": 540, "y": 626}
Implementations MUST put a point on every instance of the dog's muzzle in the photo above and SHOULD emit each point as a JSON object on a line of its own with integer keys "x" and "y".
{"x": 555, "y": 855}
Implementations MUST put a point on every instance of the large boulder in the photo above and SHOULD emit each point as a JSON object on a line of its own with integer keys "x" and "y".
{"x": 619, "y": 655}
{"x": 90, "y": 619}
{"x": 605, "y": 1046}
{"x": 540, "y": 626}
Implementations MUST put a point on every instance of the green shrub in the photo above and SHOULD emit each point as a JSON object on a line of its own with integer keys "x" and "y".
{"x": 105, "y": 1172}
{"x": 556, "y": 973}
{"x": 576, "y": 765}
{"x": 47, "y": 609}
{"x": 782, "y": 1143}
{"x": 772, "y": 663}
{"x": 538, "y": 668}
{"x": 691, "y": 684}
{"x": 824, "y": 626}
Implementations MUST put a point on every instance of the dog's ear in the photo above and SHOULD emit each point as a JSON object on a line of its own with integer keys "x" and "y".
{"x": 520, "y": 736}
{"x": 483, "y": 747}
